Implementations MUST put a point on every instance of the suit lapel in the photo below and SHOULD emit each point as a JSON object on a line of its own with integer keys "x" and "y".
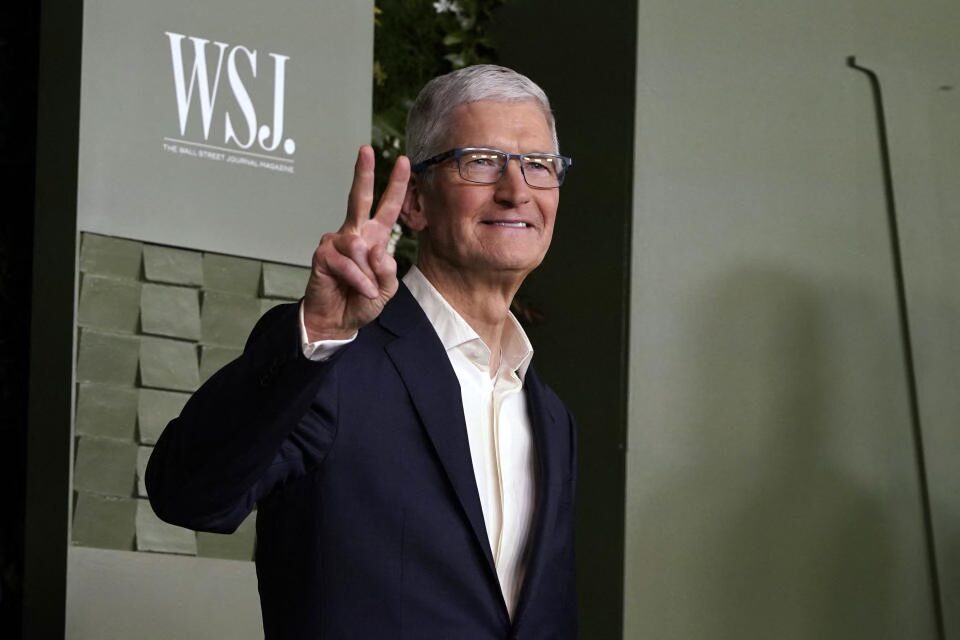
{"x": 422, "y": 362}
{"x": 543, "y": 423}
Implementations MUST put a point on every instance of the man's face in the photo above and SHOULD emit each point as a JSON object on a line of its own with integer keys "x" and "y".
{"x": 501, "y": 227}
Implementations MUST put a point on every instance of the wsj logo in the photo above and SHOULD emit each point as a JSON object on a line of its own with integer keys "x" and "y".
{"x": 202, "y": 87}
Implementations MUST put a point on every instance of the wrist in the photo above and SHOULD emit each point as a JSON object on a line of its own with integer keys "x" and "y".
{"x": 314, "y": 329}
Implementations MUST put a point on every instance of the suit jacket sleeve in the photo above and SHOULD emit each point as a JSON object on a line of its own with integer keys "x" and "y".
{"x": 262, "y": 420}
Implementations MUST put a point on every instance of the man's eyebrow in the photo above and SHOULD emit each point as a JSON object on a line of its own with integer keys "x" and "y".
{"x": 494, "y": 147}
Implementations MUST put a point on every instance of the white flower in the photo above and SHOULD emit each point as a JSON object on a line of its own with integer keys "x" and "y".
{"x": 395, "y": 234}
{"x": 443, "y": 6}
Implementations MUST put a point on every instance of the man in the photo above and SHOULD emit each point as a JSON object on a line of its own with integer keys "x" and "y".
{"x": 414, "y": 477}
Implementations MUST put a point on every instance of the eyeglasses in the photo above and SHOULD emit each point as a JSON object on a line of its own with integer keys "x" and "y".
{"x": 486, "y": 166}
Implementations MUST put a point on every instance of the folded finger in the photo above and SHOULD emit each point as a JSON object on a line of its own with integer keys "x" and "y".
{"x": 349, "y": 275}
{"x": 356, "y": 249}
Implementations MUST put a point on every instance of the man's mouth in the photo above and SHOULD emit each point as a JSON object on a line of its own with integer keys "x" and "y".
{"x": 507, "y": 223}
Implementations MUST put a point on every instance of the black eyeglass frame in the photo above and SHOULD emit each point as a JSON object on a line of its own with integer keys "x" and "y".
{"x": 459, "y": 152}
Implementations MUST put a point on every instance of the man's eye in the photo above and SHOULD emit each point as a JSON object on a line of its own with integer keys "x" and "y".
{"x": 482, "y": 162}
{"x": 539, "y": 165}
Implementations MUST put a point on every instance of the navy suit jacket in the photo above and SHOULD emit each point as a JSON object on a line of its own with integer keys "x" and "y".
{"x": 368, "y": 517}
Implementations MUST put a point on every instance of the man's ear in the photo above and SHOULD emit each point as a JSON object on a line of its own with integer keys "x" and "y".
{"x": 411, "y": 211}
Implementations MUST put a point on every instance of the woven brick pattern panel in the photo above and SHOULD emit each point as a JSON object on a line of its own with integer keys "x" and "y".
{"x": 154, "y": 323}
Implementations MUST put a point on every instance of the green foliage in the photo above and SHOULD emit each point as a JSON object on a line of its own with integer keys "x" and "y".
{"x": 414, "y": 41}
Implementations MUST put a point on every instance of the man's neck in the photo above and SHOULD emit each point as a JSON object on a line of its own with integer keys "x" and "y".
{"x": 484, "y": 303}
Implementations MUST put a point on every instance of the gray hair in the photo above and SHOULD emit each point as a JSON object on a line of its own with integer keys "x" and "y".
{"x": 428, "y": 120}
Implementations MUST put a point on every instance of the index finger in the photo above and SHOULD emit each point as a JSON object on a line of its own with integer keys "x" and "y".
{"x": 388, "y": 210}
{"x": 361, "y": 191}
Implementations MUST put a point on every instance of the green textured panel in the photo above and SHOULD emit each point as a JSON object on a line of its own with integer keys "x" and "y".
{"x": 227, "y": 319}
{"x": 213, "y": 358}
{"x": 284, "y": 281}
{"x": 109, "y": 303}
{"x": 106, "y": 467}
{"x": 235, "y": 546}
{"x": 107, "y": 357}
{"x": 170, "y": 311}
{"x": 107, "y": 256}
{"x": 106, "y": 411}
{"x": 240, "y": 276}
{"x": 104, "y": 522}
{"x": 153, "y": 534}
{"x": 175, "y": 266}
{"x": 156, "y": 409}
{"x": 168, "y": 364}
{"x": 143, "y": 456}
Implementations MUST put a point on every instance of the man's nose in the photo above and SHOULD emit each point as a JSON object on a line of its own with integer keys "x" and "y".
{"x": 512, "y": 189}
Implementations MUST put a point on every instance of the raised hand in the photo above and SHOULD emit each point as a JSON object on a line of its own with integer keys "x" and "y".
{"x": 353, "y": 276}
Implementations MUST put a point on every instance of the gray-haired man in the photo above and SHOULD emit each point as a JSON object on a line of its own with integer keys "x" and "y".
{"x": 414, "y": 476}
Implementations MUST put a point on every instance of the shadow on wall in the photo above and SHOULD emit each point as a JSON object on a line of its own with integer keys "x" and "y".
{"x": 755, "y": 529}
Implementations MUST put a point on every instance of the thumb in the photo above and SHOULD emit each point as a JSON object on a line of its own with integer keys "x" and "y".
{"x": 384, "y": 268}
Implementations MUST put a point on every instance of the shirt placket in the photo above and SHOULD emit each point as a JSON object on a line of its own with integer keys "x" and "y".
{"x": 504, "y": 387}
{"x": 498, "y": 456}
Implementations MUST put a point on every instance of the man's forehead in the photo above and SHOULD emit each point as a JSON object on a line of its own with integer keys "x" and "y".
{"x": 489, "y": 122}
{"x": 487, "y": 109}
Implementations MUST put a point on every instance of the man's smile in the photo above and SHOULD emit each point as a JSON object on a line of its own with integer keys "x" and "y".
{"x": 511, "y": 224}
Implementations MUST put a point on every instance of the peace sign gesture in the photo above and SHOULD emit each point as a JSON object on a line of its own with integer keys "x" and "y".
{"x": 353, "y": 276}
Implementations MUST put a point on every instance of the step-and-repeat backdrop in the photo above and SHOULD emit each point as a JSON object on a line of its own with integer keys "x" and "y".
{"x": 217, "y": 144}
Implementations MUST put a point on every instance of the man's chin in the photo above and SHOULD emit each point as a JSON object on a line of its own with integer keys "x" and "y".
{"x": 487, "y": 265}
{"x": 514, "y": 267}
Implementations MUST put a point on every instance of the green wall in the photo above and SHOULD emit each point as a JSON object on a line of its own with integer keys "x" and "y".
{"x": 772, "y": 485}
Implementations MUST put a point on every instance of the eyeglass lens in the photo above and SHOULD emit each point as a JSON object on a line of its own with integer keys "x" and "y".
{"x": 485, "y": 166}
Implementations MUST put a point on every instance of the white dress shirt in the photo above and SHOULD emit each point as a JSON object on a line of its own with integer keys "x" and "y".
{"x": 498, "y": 426}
